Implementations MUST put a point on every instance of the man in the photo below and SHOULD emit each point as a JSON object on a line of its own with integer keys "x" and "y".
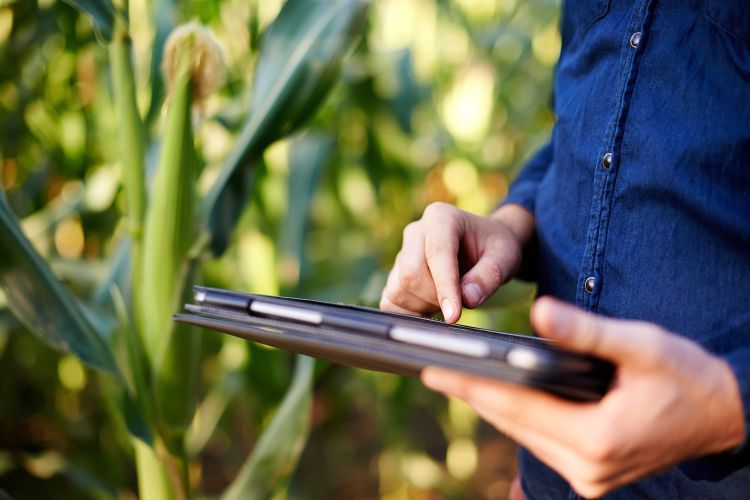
{"x": 637, "y": 215}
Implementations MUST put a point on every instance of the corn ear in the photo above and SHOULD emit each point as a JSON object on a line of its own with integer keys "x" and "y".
{"x": 170, "y": 229}
{"x": 169, "y": 226}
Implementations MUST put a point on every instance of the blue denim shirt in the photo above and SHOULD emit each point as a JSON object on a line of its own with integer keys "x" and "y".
{"x": 642, "y": 196}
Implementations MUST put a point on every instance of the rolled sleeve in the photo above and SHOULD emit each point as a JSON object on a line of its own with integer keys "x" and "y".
{"x": 717, "y": 467}
{"x": 523, "y": 192}
{"x": 739, "y": 362}
{"x": 523, "y": 189}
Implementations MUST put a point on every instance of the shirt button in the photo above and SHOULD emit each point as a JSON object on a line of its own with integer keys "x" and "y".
{"x": 635, "y": 39}
{"x": 607, "y": 161}
{"x": 588, "y": 285}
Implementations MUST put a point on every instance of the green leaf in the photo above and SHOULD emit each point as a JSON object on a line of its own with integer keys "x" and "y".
{"x": 228, "y": 210}
{"x": 410, "y": 93}
{"x": 272, "y": 462}
{"x": 130, "y": 131}
{"x": 163, "y": 13}
{"x": 134, "y": 418}
{"x": 102, "y": 14}
{"x": 136, "y": 409}
{"x": 126, "y": 413}
{"x": 118, "y": 274}
{"x": 309, "y": 154}
{"x": 86, "y": 483}
{"x": 43, "y": 304}
{"x": 299, "y": 64}
{"x": 210, "y": 411}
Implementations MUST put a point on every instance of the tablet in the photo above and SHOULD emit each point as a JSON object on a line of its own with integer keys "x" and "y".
{"x": 368, "y": 338}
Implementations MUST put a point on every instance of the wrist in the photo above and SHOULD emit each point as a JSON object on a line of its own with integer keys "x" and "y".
{"x": 518, "y": 220}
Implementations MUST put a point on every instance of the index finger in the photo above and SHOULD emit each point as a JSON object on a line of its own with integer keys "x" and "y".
{"x": 441, "y": 253}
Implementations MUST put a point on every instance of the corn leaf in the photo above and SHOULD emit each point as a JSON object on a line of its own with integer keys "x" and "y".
{"x": 43, "y": 304}
{"x": 135, "y": 401}
{"x": 163, "y": 13}
{"x": 210, "y": 411}
{"x": 272, "y": 462}
{"x": 118, "y": 274}
{"x": 130, "y": 132}
{"x": 298, "y": 65}
{"x": 102, "y": 14}
{"x": 125, "y": 412}
{"x": 309, "y": 154}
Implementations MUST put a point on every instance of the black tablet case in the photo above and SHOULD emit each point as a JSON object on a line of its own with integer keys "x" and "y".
{"x": 568, "y": 375}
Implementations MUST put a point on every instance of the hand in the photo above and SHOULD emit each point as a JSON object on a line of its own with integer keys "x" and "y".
{"x": 447, "y": 242}
{"x": 670, "y": 401}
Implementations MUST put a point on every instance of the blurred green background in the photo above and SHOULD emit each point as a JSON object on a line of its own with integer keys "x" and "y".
{"x": 442, "y": 100}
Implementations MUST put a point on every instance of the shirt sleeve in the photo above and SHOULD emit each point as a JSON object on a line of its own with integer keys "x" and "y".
{"x": 739, "y": 362}
{"x": 522, "y": 192}
{"x": 523, "y": 189}
{"x": 717, "y": 467}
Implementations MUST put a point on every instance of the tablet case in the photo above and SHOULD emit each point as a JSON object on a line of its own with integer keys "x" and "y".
{"x": 564, "y": 374}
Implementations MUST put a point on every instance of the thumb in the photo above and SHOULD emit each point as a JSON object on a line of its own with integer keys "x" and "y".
{"x": 586, "y": 333}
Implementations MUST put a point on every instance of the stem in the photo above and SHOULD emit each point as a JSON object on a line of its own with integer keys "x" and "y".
{"x": 175, "y": 466}
{"x": 154, "y": 481}
{"x": 159, "y": 475}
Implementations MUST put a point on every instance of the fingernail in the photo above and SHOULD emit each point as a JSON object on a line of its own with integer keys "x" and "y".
{"x": 473, "y": 294}
{"x": 448, "y": 308}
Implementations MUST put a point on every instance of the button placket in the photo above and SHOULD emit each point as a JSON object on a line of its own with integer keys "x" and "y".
{"x": 592, "y": 267}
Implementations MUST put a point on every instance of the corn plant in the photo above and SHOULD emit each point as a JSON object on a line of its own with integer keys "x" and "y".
{"x": 148, "y": 366}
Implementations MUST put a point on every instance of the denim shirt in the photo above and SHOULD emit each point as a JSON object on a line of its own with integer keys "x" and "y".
{"x": 642, "y": 196}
